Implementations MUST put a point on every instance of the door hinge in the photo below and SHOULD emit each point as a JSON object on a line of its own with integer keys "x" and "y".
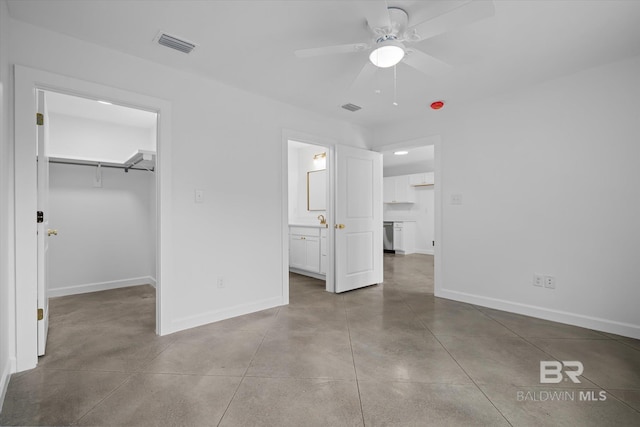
{"x": 39, "y": 217}
{"x": 39, "y": 119}
{"x": 40, "y": 314}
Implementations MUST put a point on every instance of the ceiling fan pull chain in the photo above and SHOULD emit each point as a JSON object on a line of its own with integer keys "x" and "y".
{"x": 395, "y": 86}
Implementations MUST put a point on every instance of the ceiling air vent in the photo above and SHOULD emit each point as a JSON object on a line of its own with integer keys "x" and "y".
{"x": 351, "y": 107}
{"x": 175, "y": 43}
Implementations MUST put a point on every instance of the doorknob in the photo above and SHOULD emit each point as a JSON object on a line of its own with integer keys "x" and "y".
{"x": 51, "y": 232}
{"x": 340, "y": 226}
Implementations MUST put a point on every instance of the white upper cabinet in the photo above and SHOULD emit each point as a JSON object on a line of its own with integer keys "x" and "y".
{"x": 421, "y": 179}
{"x": 396, "y": 189}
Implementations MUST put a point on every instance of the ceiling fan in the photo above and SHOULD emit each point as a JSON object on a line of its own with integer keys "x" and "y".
{"x": 392, "y": 30}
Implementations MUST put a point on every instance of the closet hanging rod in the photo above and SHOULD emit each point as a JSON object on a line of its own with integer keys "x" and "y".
{"x": 101, "y": 165}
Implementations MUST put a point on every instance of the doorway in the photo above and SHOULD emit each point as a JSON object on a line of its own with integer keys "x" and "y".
{"x": 354, "y": 215}
{"x": 101, "y": 195}
{"x": 307, "y": 213}
{"x": 27, "y": 82}
{"x": 412, "y": 204}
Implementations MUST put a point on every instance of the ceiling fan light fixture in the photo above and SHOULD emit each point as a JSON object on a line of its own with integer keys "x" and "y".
{"x": 387, "y": 54}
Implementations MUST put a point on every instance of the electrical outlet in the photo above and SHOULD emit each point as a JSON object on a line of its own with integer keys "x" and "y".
{"x": 220, "y": 282}
{"x": 538, "y": 280}
{"x": 199, "y": 196}
{"x": 550, "y": 282}
{"x": 456, "y": 199}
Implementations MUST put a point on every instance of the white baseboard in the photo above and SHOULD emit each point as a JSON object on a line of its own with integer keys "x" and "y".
{"x": 151, "y": 281}
{"x": 308, "y": 273}
{"x": 590, "y": 322}
{"x": 425, "y": 251}
{"x": 101, "y": 286}
{"x": 226, "y": 313}
{"x": 5, "y": 376}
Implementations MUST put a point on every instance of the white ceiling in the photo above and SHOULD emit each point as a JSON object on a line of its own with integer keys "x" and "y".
{"x": 92, "y": 109}
{"x": 251, "y": 44}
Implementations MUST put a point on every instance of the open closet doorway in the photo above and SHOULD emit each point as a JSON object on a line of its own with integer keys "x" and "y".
{"x": 410, "y": 202}
{"x": 102, "y": 197}
{"x": 308, "y": 210}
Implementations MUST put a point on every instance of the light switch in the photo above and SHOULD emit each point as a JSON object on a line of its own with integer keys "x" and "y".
{"x": 199, "y": 196}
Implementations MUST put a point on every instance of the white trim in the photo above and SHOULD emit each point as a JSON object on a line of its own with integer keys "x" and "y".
{"x": 438, "y": 253}
{"x": 101, "y": 286}
{"x": 590, "y": 322}
{"x": 284, "y": 217}
{"x": 5, "y": 376}
{"x": 26, "y": 81}
{"x": 412, "y": 143}
{"x": 223, "y": 314}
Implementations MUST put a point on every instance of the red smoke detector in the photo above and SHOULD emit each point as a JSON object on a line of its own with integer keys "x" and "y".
{"x": 437, "y": 105}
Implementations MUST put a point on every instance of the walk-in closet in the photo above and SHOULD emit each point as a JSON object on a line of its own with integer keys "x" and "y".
{"x": 102, "y": 195}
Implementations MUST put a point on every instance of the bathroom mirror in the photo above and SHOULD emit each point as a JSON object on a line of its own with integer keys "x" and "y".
{"x": 317, "y": 190}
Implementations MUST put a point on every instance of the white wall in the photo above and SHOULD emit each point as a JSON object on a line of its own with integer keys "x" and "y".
{"x": 549, "y": 181}
{"x": 226, "y": 142}
{"x": 300, "y": 162}
{"x": 7, "y": 320}
{"x": 422, "y": 212}
{"x": 104, "y": 238}
{"x": 81, "y": 138}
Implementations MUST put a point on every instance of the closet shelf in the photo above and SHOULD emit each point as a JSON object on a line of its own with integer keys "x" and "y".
{"x": 141, "y": 160}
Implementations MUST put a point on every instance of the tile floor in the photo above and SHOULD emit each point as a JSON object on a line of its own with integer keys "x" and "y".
{"x": 388, "y": 355}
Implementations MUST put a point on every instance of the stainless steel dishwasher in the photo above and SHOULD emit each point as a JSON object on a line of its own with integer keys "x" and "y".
{"x": 388, "y": 237}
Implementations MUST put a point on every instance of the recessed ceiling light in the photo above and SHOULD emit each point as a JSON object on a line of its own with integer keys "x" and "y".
{"x": 401, "y": 153}
{"x": 105, "y": 102}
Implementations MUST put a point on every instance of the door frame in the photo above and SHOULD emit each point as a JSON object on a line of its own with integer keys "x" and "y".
{"x": 26, "y": 82}
{"x": 436, "y": 141}
{"x": 329, "y": 144}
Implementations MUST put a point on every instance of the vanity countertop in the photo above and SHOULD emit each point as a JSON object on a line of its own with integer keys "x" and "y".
{"x": 318, "y": 225}
{"x": 399, "y": 220}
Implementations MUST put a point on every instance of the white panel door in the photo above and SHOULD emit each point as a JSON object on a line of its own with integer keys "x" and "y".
{"x": 358, "y": 223}
{"x": 43, "y": 227}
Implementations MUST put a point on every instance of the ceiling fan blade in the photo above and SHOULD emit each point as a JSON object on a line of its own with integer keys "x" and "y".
{"x": 331, "y": 50}
{"x": 426, "y": 64}
{"x": 377, "y": 14}
{"x": 433, "y": 9}
{"x": 465, "y": 13}
{"x": 363, "y": 78}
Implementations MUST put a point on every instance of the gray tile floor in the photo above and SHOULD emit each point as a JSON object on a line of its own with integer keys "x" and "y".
{"x": 389, "y": 355}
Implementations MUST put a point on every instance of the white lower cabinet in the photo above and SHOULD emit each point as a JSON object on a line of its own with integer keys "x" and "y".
{"x": 307, "y": 249}
{"x": 404, "y": 237}
{"x": 297, "y": 252}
